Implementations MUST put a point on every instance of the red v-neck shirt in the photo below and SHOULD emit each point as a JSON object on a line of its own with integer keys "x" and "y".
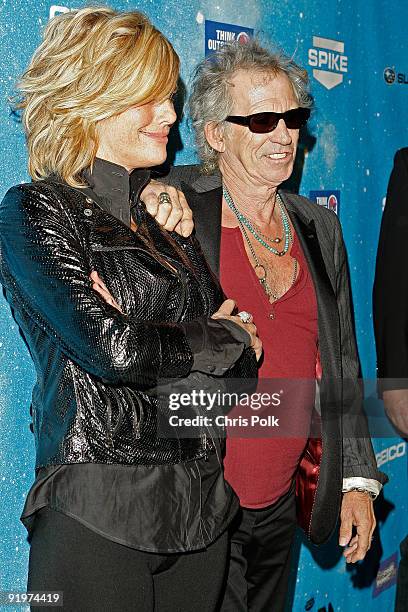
{"x": 261, "y": 469}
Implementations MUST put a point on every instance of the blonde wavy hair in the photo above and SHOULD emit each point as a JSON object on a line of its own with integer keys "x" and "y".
{"x": 93, "y": 63}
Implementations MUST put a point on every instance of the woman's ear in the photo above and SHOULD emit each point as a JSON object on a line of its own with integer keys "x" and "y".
{"x": 214, "y": 133}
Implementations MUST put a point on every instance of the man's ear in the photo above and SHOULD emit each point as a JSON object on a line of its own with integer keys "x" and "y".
{"x": 214, "y": 133}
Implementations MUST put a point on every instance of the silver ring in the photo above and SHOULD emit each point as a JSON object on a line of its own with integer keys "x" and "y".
{"x": 164, "y": 198}
{"x": 245, "y": 316}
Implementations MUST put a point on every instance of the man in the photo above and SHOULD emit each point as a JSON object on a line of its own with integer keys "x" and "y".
{"x": 390, "y": 306}
{"x": 282, "y": 258}
{"x": 247, "y": 107}
{"x": 390, "y": 298}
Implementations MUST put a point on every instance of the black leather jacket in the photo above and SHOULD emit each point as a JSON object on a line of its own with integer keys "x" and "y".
{"x": 96, "y": 367}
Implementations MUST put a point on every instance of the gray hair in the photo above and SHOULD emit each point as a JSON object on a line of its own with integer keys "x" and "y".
{"x": 211, "y": 99}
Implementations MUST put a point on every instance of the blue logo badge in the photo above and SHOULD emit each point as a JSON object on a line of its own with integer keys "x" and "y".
{"x": 218, "y": 34}
{"x": 386, "y": 575}
{"x": 328, "y": 199}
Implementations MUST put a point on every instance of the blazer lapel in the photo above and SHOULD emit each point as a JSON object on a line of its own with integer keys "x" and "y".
{"x": 206, "y": 209}
{"x": 306, "y": 232}
{"x": 328, "y": 315}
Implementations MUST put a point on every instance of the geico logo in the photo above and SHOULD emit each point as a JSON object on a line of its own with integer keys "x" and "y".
{"x": 386, "y": 575}
{"x": 391, "y": 453}
{"x": 328, "y": 59}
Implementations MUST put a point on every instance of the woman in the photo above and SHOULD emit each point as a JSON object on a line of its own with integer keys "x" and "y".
{"x": 119, "y": 517}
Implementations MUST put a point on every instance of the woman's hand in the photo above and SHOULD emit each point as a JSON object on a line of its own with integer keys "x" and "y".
{"x": 224, "y": 312}
{"x": 172, "y": 216}
{"x": 103, "y": 291}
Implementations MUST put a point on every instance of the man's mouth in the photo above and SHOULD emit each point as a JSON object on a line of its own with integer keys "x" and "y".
{"x": 278, "y": 155}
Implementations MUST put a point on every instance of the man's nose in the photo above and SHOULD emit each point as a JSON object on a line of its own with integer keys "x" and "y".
{"x": 282, "y": 133}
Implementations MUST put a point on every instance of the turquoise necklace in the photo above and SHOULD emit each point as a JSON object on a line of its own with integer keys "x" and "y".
{"x": 243, "y": 220}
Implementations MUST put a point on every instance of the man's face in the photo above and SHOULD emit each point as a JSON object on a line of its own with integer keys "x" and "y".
{"x": 265, "y": 159}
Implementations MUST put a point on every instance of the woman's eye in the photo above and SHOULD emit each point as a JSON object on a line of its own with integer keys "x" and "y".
{"x": 163, "y": 100}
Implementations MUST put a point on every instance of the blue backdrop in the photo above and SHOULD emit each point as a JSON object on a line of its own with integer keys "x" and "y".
{"x": 356, "y": 54}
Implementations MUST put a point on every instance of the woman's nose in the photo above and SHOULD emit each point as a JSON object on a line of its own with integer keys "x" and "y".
{"x": 167, "y": 112}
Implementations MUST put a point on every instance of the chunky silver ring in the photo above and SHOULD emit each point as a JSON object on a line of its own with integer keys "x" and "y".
{"x": 164, "y": 198}
{"x": 245, "y": 316}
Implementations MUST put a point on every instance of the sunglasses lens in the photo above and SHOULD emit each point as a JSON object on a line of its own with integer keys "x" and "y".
{"x": 263, "y": 122}
{"x": 296, "y": 118}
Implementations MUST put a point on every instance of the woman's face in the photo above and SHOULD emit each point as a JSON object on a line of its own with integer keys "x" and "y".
{"x": 137, "y": 137}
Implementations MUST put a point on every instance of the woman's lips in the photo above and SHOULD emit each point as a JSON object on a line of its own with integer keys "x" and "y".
{"x": 157, "y": 136}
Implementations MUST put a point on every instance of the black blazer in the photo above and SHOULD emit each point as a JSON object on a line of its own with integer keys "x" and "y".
{"x": 390, "y": 297}
{"x": 347, "y": 448}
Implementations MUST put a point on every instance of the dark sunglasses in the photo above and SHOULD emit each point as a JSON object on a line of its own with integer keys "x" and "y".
{"x": 261, "y": 123}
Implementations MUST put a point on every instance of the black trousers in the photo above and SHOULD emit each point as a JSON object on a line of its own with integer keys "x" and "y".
{"x": 98, "y": 575}
{"x": 260, "y": 557}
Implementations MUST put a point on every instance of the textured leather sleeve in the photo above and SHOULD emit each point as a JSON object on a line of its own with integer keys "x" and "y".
{"x": 216, "y": 344}
{"x": 45, "y": 268}
{"x": 390, "y": 297}
{"x": 358, "y": 453}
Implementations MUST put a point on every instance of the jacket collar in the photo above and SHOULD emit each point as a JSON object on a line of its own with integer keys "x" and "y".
{"x": 114, "y": 189}
{"x": 209, "y": 183}
{"x": 206, "y": 207}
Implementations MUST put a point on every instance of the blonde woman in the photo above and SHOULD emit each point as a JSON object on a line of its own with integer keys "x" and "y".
{"x": 119, "y": 518}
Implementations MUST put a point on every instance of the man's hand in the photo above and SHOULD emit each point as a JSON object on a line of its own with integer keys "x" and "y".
{"x": 356, "y": 511}
{"x": 225, "y": 312}
{"x": 172, "y": 216}
{"x": 396, "y": 407}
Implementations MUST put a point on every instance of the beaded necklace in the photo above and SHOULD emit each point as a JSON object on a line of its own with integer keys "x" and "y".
{"x": 259, "y": 268}
{"x": 243, "y": 220}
